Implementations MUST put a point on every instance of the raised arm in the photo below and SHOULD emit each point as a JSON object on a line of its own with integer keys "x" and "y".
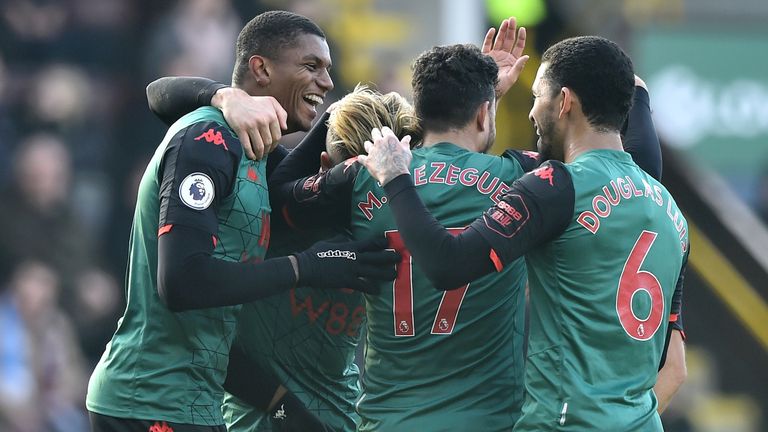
{"x": 639, "y": 133}
{"x": 257, "y": 120}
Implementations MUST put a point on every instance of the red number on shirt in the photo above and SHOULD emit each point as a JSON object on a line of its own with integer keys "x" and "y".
{"x": 402, "y": 294}
{"x": 634, "y": 280}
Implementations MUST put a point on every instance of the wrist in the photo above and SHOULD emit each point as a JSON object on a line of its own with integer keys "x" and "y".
{"x": 219, "y": 97}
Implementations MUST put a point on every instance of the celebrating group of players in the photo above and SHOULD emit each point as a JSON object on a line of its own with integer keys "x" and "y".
{"x": 445, "y": 239}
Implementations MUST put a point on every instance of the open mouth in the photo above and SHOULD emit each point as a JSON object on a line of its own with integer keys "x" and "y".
{"x": 313, "y": 99}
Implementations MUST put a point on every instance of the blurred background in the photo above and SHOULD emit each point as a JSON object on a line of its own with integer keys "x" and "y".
{"x": 76, "y": 134}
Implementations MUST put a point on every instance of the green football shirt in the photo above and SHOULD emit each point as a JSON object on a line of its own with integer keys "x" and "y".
{"x": 439, "y": 360}
{"x": 165, "y": 365}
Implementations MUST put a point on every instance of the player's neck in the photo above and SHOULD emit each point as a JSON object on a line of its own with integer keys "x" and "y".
{"x": 461, "y": 137}
{"x": 584, "y": 140}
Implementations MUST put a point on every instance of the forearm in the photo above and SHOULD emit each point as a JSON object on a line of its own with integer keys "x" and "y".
{"x": 673, "y": 373}
{"x": 189, "y": 277}
{"x": 170, "y": 98}
{"x": 304, "y": 160}
{"x": 448, "y": 261}
{"x": 640, "y": 139}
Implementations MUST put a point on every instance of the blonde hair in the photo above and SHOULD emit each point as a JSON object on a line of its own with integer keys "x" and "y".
{"x": 350, "y": 123}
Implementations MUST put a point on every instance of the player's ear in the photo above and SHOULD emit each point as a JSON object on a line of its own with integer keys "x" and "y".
{"x": 482, "y": 116}
{"x": 258, "y": 67}
{"x": 566, "y": 101}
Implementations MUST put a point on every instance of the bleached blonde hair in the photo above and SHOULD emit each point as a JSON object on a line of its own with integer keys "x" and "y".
{"x": 350, "y": 123}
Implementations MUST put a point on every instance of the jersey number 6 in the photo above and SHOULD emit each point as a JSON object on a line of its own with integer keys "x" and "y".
{"x": 402, "y": 294}
{"x": 634, "y": 280}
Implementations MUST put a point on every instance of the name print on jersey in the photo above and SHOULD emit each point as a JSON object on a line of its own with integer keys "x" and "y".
{"x": 623, "y": 188}
{"x": 448, "y": 174}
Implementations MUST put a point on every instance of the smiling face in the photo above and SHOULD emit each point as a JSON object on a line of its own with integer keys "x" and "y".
{"x": 544, "y": 115}
{"x": 299, "y": 79}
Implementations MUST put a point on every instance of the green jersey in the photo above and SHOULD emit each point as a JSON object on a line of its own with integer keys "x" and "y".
{"x": 307, "y": 338}
{"x": 604, "y": 256}
{"x": 439, "y": 360}
{"x": 171, "y": 365}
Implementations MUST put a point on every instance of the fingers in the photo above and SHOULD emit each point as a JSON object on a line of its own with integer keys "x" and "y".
{"x": 368, "y": 146}
{"x": 265, "y": 131}
{"x": 257, "y": 145}
{"x": 245, "y": 141}
{"x": 501, "y": 37}
{"x": 520, "y": 64}
{"x": 406, "y": 142}
{"x": 488, "y": 41}
{"x": 517, "y": 51}
{"x": 282, "y": 117}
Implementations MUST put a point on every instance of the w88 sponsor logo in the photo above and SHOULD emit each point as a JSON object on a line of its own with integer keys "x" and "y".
{"x": 339, "y": 317}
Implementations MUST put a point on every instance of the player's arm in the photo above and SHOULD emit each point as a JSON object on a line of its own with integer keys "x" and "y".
{"x": 639, "y": 133}
{"x": 189, "y": 277}
{"x": 258, "y": 387}
{"x": 257, "y": 120}
{"x": 306, "y": 198}
{"x": 672, "y": 369}
{"x": 536, "y": 209}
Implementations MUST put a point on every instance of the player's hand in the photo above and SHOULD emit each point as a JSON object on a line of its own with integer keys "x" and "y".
{"x": 507, "y": 51}
{"x": 388, "y": 156}
{"x": 340, "y": 263}
{"x": 640, "y": 83}
{"x": 257, "y": 120}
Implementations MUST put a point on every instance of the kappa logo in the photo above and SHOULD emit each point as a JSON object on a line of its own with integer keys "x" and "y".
{"x": 531, "y": 154}
{"x": 214, "y": 137}
{"x": 160, "y": 427}
{"x": 545, "y": 173}
{"x": 337, "y": 254}
{"x": 196, "y": 191}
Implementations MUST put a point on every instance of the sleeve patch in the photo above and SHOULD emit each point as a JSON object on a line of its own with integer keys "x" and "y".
{"x": 197, "y": 191}
{"x": 511, "y": 214}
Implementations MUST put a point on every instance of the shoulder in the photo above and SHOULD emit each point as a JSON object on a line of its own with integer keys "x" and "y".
{"x": 207, "y": 139}
{"x": 549, "y": 178}
{"x": 528, "y": 160}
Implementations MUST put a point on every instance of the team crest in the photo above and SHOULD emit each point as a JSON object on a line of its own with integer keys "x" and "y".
{"x": 196, "y": 191}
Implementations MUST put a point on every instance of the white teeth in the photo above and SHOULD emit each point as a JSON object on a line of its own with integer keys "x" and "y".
{"x": 314, "y": 99}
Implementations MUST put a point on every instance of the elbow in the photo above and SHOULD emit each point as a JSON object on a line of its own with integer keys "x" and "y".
{"x": 679, "y": 374}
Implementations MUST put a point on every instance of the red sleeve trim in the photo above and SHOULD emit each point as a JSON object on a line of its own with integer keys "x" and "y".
{"x": 496, "y": 261}
{"x": 164, "y": 229}
{"x": 673, "y": 318}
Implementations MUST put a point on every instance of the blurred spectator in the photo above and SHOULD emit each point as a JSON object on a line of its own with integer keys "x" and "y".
{"x": 36, "y": 213}
{"x": 195, "y": 38}
{"x": 98, "y": 304}
{"x": 42, "y": 376}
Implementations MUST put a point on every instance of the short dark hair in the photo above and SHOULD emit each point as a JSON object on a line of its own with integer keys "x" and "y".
{"x": 600, "y": 74}
{"x": 449, "y": 83}
{"x": 267, "y": 34}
